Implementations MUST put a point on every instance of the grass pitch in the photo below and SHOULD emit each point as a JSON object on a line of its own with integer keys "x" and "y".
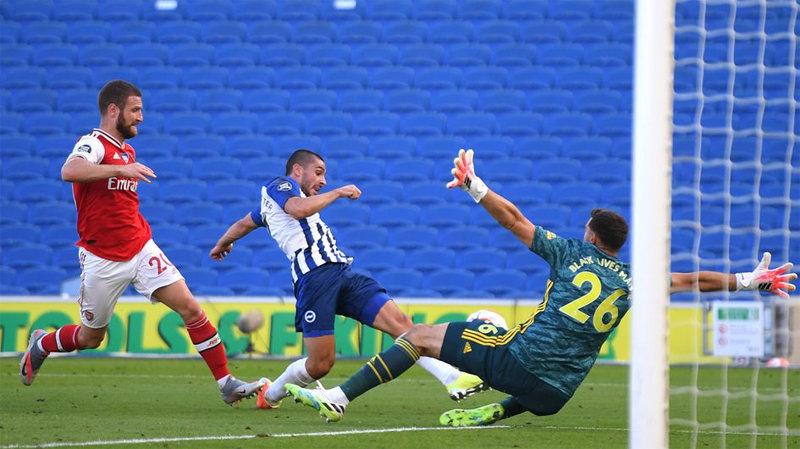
{"x": 102, "y": 402}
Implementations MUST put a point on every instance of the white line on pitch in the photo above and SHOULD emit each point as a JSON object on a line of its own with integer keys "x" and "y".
{"x": 242, "y": 437}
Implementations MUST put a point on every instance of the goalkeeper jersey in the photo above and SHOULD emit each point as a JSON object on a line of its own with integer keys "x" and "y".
{"x": 587, "y": 295}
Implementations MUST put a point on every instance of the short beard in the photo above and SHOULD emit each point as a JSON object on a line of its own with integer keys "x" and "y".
{"x": 127, "y": 132}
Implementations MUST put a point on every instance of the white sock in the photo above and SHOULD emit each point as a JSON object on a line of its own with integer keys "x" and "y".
{"x": 295, "y": 374}
{"x": 337, "y": 395}
{"x": 221, "y": 381}
{"x": 446, "y": 374}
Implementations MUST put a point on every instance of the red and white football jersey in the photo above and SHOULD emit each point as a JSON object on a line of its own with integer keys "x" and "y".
{"x": 109, "y": 223}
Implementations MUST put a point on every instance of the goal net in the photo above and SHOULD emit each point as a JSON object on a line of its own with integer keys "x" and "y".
{"x": 735, "y": 194}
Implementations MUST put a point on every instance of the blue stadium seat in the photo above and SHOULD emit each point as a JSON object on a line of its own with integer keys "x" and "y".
{"x": 11, "y": 124}
{"x": 182, "y": 191}
{"x": 561, "y": 55}
{"x": 30, "y": 101}
{"x": 376, "y": 124}
{"x": 38, "y": 33}
{"x": 451, "y": 32}
{"x": 12, "y": 213}
{"x": 281, "y": 123}
{"x": 15, "y": 56}
{"x": 433, "y": 10}
{"x": 36, "y": 190}
{"x": 235, "y": 123}
{"x": 18, "y": 145}
{"x": 207, "y": 235}
{"x": 395, "y": 215}
{"x": 557, "y": 171}
{"x": 268, "y": 32}
{"x": 497, "y": 32}
{"x": 254, "y": 10}
{"x": 450, "y": 282}
{"x": 75, "y": 10}
{"x": 220, "y": 101}
{"x": 587, "y": 149}
{"x": 178, "y": 33}
{"x": 508, "y": 170}
{"x": 412, "y": 238}
{"x": 187, "y": 123}
{"x": 191, "y": 55}
{"x": 205, "y": 78}
{"x": 518, "y": 125}
{"x": 208, "y": 11}
{"x": 468, "y": 55}
{"x": 360, "y": 101}
{"x": 380, "y": 193}
{"x": 171, "y": 168}
{"x": 298, "y": 11}
{"x": 407, "y": 101}
{"x": 531, "y": 78}
{"x": 391, "y": 78}
{"x": 614, "y": 10}
{"x": 164, "y": 15}
{"x": 479, "y": 10}
{"x": 405, "y": 32}
{"x": 424, "y": 124}
{"x": 87, "y": 32}
{"x": 344, "y": 78}
{"x": 298, "y": 77}
{"x": 145, "y": 55}
{"x": 78, "y": 100}
{"x": 608, "y": 55}
{"x": 503, "y": 283}
{"x": 52, "y": 213}
{"x": 28, "y": 11}
{"x": 388, "y": 11}
{"x": 8, "y": 277}
{"x": 588, "y": 33}
{"x": 314, "y": 33}
{"x": 525, "y": 10}
{"x": 233, "y": 191}
{"x": 330, "y": 124}
{"x": 362, "y": 237}
{"x": 344, "y": 215}
{"x": 485, "y": 78}
{"x": 409, "y": 170}
{"x": 266, "y": 101}
{"x": 568, "y": 125}
{"x": 555, "y": 101}
{"x": 173, "y": 100}
{"x": 430, "y": 259}
{"x": 28, "y": 256}
{"x": 445, "y": 216}
{"x": 392, "y": 147}
{"x": 438, "y": 78}
{"x": 184, "y": 256}
{"x": 481, "y": 260}
{"x": 241, "y": 146}
{"x": 198, "y": 214}
{"x": 606, "y": 172}
{"x": 60, "y": 236}
{"x": 418, "y": 56}
{"x": 270, "y": 257}
{"x": 313, "y": 101}
{"x": 6, "y": 189}
{"x": 471, "y": 125}
{"x": 170, "y": 235}
{"x": 251, "y": 78}
{"x": 200, "y": 277}
{"x": 514, "y": 55}
{"x": 356, "y": 33}
{"x": 375, "y": 55}
{"x": 217, "y": 169}
{"x": 157, "y": 213}
{"x": 463, "y": 239}
{"x": 10, "y": 32}
{"x": 577, "y": 194}
{"x": 100, "y": 76}
{"x": 225, "y": 33}
{"x": 598, "y": 102}
{"x": 528, "y": 193}
{"x": 440, "y": 148}
{"x": 48, "y": 123}
{"x": 399, "y": 280}
{"x": 341, "y": 147}
{"x": 152, "y": 78}
{"x": 42, "y": 281}
{"x": 554, "y": 218}
{"x": 380, "y": 260}
{"x": 25, "y": 168}
{"x": 614, "y": 126}
{"x": 286, "y": 145}
{"x": 19, "y": 235}
{"x": 264, "y": 169}
{"x": 502, "y": 101}
{"x": 425, "y": 194}
{"x": 579, "y": 78}
{"x": 492, "y": 147}
{"x": 133, "y": 33}
{"x": 241, "y": 258}
{"x": 329, "y": 55}
{"x": 455, "y": 101}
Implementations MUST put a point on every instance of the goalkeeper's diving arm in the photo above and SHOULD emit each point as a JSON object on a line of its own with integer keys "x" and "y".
{"x": 776, "y": 281}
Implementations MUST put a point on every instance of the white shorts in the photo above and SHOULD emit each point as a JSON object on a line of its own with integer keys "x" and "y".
{"x": 103, "y": 281}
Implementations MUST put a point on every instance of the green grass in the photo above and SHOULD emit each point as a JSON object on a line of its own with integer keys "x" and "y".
{"x": 101, "y": 399}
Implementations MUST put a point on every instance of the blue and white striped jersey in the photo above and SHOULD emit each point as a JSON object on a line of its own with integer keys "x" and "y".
{"x": 308, "y": 242}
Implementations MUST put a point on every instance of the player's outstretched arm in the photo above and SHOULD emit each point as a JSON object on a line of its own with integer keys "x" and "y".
{"x": 236, "y": 231}
{"x": 299, "y": 208}
{"x": 504, "y": 211}
{"x": 776, "y": 281}
{"x": 80, "y": 170}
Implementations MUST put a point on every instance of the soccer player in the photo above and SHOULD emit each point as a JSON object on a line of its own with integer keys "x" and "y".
{"x": 324, "y": 284}
{"x": 116, "y": 248}
{"x": 542, "y": 361}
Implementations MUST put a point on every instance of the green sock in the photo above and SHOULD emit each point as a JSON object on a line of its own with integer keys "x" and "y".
{"x": 382, "y": 368}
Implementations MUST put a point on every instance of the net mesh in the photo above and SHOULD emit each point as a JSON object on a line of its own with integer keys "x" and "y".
{"x": 736, "y": 194}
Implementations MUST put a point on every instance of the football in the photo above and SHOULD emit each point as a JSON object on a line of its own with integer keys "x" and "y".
{"x": 250, "y": 321}
{"x": 489, "y": 316}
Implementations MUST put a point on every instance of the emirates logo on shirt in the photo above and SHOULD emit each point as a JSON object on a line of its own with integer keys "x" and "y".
{"x": 123, "y": 184}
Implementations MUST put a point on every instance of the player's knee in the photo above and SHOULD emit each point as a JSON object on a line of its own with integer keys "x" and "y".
{"x": 90, "y": 341}
{"x": 417, "y": 334}
{"x": 189, "y": 310}
{"x": 319, "y": 367}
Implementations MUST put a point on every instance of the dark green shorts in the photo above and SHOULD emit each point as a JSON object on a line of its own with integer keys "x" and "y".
{"x": 481, "y": 349}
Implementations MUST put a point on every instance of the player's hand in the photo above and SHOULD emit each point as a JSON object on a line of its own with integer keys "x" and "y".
{"x": 465, "y": 178}
{"x": 138, "y": 171}
{"x": 776, "y": 281}
{"x": 220, "y": 252}
{"x": 349, "y": 191}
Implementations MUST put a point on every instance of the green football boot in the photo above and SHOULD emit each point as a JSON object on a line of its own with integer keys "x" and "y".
{"x": 481, "y": 416}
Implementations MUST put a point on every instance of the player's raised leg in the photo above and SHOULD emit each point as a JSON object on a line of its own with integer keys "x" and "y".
{"x": 459, "y": 385}
{"x": 206, "y": 340}
{"x": 321, "y": 355}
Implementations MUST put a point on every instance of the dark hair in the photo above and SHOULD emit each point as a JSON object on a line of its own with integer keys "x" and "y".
{"x": 610, "y": 227}
{"x": 302, "y": 157}
{"x": 116, "y": 92}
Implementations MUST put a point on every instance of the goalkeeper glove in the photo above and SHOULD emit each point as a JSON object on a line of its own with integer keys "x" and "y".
{"x": 764, "y": 279}
{"x": 464, "y": 176}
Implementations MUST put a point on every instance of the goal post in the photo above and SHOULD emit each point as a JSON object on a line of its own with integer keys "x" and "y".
{"x": 651, "y": 219}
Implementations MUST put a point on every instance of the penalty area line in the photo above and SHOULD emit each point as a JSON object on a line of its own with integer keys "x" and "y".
{"x": 241, "y": 437}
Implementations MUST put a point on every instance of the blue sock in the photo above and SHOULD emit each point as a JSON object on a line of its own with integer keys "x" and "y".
{"x": 511, "y": 407}
{"x": 382, "y": 368}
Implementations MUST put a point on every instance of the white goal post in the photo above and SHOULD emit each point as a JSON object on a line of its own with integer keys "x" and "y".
{"x": 651, "y": 201}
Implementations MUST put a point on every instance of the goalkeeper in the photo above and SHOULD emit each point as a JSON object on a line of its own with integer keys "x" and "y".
{"x": 542, "y": 361}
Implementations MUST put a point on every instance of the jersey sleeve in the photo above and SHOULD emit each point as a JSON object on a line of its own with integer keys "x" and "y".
{"x": 281, "y": 189}
{"x": 549, "y": 246}
{"x": 255, "y": 215}
{"x": 89, "y": 148}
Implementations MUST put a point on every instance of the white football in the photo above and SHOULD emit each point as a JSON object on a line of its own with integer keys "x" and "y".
{"x": 489, "y": 316}
{"x": 250, "y": 321}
